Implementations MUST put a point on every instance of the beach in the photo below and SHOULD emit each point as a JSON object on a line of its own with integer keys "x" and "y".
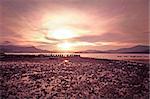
{"x": 73, "y": 78}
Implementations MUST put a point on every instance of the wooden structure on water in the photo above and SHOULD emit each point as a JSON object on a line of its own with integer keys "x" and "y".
{"x": 40, "y": 56}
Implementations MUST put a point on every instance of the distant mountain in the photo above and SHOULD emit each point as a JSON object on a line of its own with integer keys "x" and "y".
{"x": 134, "y": 49}
{"x": 20, "y": 49}
{"x": 90, "y": 51}
{"x": 32, "y": 49}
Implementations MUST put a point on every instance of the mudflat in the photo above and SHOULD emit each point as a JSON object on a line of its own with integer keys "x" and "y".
{"x": 73, "y": 78}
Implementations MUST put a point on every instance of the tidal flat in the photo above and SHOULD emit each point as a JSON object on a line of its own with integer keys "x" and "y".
{"x": 73, "y": 78}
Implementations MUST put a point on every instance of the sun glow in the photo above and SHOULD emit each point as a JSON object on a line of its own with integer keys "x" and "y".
{"x": 66, "y": 46}
{"x": 64, "y": 27}
{"x": 62, "y": 33}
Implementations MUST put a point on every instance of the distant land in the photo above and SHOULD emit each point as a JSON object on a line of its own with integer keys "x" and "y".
{"x": 32, "y": 49}
{"x": 21, "y": 49}
{"x": 134, "y": 49}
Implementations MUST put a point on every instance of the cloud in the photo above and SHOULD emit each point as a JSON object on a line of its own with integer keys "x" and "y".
{"x": 115, "y": 37}
{"x": 104, "y": 22}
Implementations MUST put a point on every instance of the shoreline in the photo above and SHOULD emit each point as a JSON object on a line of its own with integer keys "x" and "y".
{"x": 41, "y": 57}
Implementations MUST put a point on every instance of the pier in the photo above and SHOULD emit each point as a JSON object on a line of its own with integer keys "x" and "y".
{"x": 39, "y": 56}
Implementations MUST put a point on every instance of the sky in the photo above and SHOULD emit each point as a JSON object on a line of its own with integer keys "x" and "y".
{"x": 74, "y": 25}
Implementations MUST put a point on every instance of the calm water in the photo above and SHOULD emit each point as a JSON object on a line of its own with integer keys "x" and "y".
{"x": 97, "y": 55}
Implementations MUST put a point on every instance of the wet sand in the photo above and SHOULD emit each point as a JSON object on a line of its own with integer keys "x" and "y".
{"x": 73, "y": 78}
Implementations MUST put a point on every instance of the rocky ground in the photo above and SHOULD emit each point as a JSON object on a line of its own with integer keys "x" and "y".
{"x": 73, "y": 78}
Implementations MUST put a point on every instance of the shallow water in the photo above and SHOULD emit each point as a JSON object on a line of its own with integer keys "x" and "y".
{"x": 98, "y": 55}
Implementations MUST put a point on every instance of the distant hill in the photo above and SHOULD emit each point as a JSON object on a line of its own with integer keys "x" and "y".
{"x": 90, "y": 51}
{"x": 20, "y": 49}
{"x": 32, "y": 49}
{"x": 134, "y": 49}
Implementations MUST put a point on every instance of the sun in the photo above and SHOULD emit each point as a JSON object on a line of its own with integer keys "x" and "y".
{"x": 66, "y": 46}
{"x": 62, "y": 33}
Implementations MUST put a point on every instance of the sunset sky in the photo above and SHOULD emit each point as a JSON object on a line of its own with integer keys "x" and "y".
{"x": 74, "y": 24}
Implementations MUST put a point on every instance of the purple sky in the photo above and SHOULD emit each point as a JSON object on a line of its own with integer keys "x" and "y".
{"x": 79, "y": 24}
